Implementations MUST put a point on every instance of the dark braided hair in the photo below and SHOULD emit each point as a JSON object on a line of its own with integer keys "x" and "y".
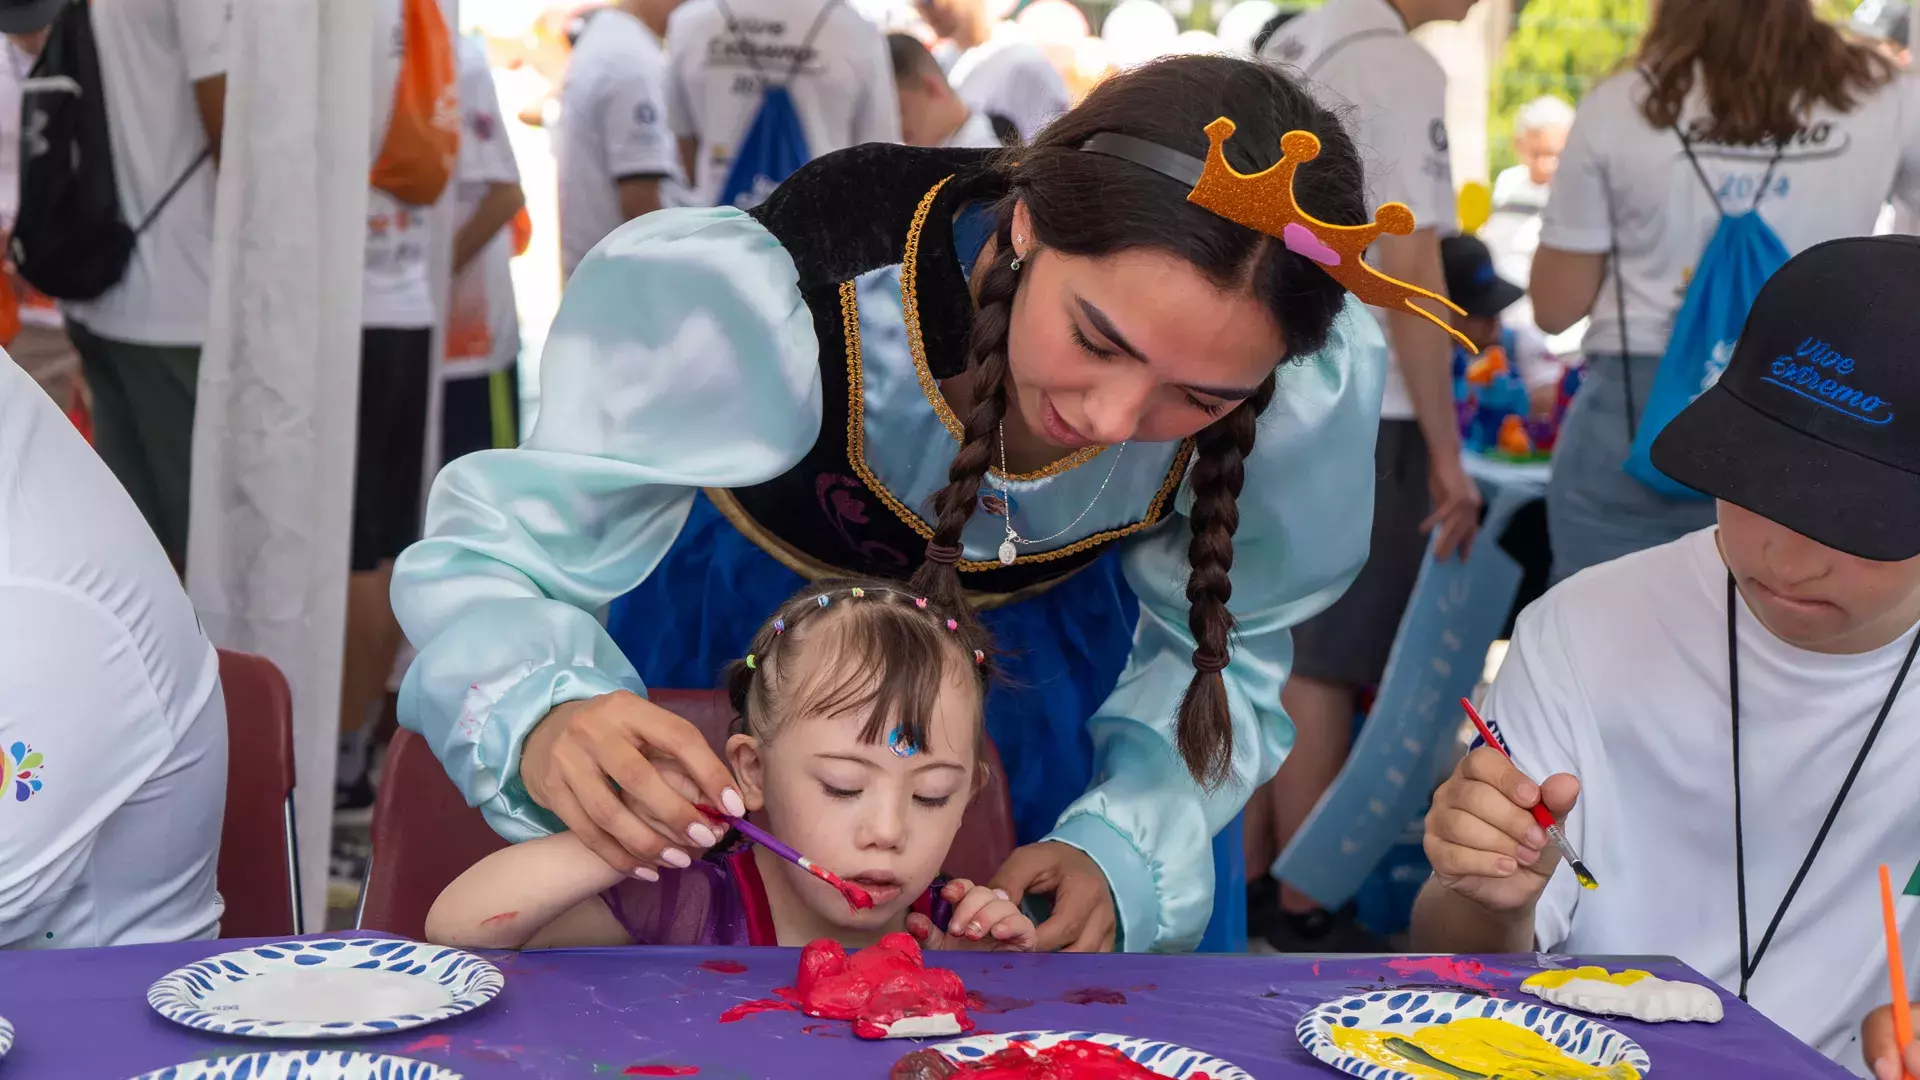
{"x": 1092, "y": 205}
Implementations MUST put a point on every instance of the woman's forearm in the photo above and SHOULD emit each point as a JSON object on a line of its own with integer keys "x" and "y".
{"x": 503, "y": 901}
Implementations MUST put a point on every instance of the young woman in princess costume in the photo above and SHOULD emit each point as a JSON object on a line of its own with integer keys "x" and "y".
{"x": 1046, "y": 385}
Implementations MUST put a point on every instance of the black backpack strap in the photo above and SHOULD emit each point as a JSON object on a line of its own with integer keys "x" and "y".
{"x": 1773, "y": 163}
{"x": 173, "y": 190}
{"x": 1350, "y": 39}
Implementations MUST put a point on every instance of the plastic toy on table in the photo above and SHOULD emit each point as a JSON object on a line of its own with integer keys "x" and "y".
{"x": 1496, "y": 412}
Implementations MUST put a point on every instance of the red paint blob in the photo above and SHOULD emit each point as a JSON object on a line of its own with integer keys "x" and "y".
{"x": 1069, "y": 1060}
{"x": 1094, "y": 995}
{"x": 1464, "y": 972}
{"x": 505, "y": 916}
{"x": 431, "y": 1042}
{"x": 750, "y": 1008}
{"x": 878, "y": 985}
{"x": 724, "y": 967}
{"x": 662, "y": 1070}
{"x": 790, "y": 993}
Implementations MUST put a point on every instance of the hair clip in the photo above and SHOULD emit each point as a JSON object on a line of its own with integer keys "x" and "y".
{"x": 953, "y": 624}
{"x": 858, "y": 591}
{"x": 979, "y": 656}
{"x": 779, "y": 626}
{"x": 823, "y": 600}
{"x": 920, "y": 602}
{"x": 899, "y": 746}
{"x": 750, "y": 662}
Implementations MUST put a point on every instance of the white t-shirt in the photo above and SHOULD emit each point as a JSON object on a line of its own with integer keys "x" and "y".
{"x": 613, "y": 127}
{"x": 112, "y": 723}
{"x": 482, "y": 303}
{"x": 1619, "y": 676}
{"x": 1392, "y": 95}
{"x": 151, "y": 54}
{"x": 397, "y": 290}
{"x": 977, "y": 133}
{"x": 1007, "y": 75}
{"x": 1831, "y": 181}
{"x": 843, "y": 90}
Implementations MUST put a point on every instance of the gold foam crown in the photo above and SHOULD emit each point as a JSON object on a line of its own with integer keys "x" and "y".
{"x": 1264, "y": 201}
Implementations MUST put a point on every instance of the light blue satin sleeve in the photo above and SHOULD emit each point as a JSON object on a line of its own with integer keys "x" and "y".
{"x": 682, "y": 357}
{"x": 1306, "y": 514}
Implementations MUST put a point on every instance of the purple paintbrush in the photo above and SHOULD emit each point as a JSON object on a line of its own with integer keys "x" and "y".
{"x": 856, "y": 896}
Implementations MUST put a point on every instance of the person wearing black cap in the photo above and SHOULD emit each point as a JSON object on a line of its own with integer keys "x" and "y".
{"x": 1728, "y": 724}
{"x": 1485, "y": 296}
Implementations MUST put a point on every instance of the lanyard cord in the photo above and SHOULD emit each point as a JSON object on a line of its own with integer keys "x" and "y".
{"x": 1750, "y": 964}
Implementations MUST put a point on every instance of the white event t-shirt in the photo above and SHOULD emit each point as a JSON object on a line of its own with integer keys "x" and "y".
{"x": 483, "y": 292}
{"x": 113, "y": 730}
{"x": 397, "y": 290}
{"x": 1832, "y": 180}
{"x": 1392, "y": 94}
{"x": 843, "y": 87}
{"x": 613, "y": 127}
{"x": 976, "y": 134}
{"x": 1619, "y": 677}
{"x": 151, "y": 54}
{"x": 1008, "y": 76}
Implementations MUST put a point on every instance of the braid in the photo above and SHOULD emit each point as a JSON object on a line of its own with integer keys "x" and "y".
{"x": 938, "y": 578}
{"x": 1205, "y": 730}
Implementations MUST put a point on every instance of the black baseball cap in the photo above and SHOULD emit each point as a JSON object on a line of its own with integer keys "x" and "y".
{"x": 1815, "y": 424}
{"x": 28, "y": 16}
{"x": 1471, "y": 280}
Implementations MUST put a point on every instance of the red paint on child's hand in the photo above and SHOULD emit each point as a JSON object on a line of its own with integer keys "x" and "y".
{"x": 878, "y": 986}
{"x": 505, "y": 916}
{"x": 662, "y": 1070}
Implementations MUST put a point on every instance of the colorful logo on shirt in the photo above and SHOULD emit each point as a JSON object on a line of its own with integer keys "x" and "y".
{"x": 20, "y": 768}
{"x": 1811, "y": 373}
{"x": 645, "y": 115}
{"x": 1437, "y": 134}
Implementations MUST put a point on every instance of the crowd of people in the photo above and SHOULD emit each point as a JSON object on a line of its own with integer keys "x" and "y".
{"x": 923, "y": 409}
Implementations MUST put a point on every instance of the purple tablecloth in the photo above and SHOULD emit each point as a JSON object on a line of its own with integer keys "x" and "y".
{"x": 83, "y": 1014}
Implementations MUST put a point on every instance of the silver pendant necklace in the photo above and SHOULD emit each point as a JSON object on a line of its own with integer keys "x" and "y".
{"x": 1007, "y": 550}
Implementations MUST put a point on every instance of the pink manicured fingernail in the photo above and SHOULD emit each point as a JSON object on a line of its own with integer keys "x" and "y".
{"x": 701, "y": 835}
{"x": 673, "y": 856}
{"x": 1002, "y": 894}
{"x": 646, "y": 873}
{"x": 731, "y": 802}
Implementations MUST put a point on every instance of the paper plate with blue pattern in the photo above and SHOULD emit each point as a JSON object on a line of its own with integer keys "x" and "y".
{"x": 304, "y": 1065}
{"x": 1161, "y": 1058}
{"x": 1404, "y": 1013}
{"x": 325, "y": 989}
{"x": 6, "y": 1036}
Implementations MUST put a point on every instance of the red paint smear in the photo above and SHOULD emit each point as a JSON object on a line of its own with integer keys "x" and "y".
{"x": 750, "y": 1008}
{"x": 857, "y": 897}
{"x": 1068, "y": 1060}
{"x": 505, "y": 916}
{"x": 1316, "y": 967}
{"x": 724, "y": 967}
{"x": 791, "y": 993}
{"x": 1464, "y": 972}
{"x": 1094, "y": 995}
{"x": 994, "y": 1004}
{"x": 431, "y": 1042}
{"x": 662, "y": 1070}
{"x": 829, "y": 1031}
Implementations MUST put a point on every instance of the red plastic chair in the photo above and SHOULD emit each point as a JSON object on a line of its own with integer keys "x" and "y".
{"x": 425, "y": 835}
{"x": 259, "y": 870}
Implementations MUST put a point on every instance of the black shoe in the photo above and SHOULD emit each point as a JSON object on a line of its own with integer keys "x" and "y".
{"x": 1320, "y": 931}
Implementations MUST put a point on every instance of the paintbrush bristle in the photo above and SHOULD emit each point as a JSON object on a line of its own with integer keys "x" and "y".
{"x": 1584, "y": 876}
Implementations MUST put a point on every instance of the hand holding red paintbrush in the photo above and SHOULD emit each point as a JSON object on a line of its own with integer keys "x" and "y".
{"x": 1484, "y": 834}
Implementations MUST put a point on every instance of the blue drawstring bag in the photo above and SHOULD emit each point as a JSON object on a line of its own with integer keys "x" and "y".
{"x": 775, "y": 144}
{"x": 1743, "y": 253}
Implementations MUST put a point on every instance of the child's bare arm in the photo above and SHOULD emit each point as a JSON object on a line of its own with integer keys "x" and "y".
{"x": 540, "y": 894}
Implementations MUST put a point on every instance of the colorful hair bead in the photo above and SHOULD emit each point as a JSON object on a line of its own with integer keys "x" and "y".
{"x": 751, "y": 663}
{"x": 979, "y": 657}
{"x": 779, "y": 626}
{"x": 858, "y": 591}
{"x": 823, "y": 600}
{"x": 953, "y": 624}
{"x": 920, "y": 602}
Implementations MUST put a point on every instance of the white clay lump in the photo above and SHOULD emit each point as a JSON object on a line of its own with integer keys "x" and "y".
{"x": 1636, "y": 995}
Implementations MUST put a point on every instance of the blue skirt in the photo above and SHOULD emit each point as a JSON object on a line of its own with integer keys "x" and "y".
{"x": 1063, "y": 652}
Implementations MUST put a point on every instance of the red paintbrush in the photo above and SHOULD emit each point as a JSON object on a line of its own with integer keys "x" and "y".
{"x": 1540, "y": 812}
{"x": 857, "y": 897}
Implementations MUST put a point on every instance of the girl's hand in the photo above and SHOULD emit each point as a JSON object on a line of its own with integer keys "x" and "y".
{"x": 983, "y": 920}
{"x": 623, "y": 774}
{"x": 1885, "y": 1058}
{"x": 1083, "y": 918}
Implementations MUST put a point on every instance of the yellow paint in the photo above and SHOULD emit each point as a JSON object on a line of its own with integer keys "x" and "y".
{"x": 1553, "y": 980}
{"x": 1478, "y": 1044}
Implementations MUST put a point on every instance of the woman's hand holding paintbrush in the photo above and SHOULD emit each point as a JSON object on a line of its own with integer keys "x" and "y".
{"x": 1482, "y": 836}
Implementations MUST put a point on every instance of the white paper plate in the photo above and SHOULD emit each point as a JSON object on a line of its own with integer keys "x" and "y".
{"x": 304, "y": 1065}
{"x": 6, "y": 1036}
{"x": 1165, "y": 1059}
{"x": 1407, "y": 1011}
{"x": 325, "y": 989}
